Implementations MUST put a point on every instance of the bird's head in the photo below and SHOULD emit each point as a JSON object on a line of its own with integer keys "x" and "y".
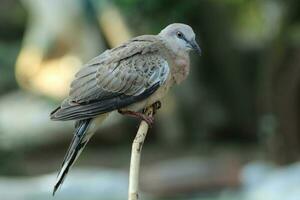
{"x": 180, "y": 37}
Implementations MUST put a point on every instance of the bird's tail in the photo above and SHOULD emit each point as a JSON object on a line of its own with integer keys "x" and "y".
{"x": 84, "y": 129}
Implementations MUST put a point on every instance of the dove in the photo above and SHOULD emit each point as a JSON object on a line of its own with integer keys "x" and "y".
{"x": 127, "y": 79}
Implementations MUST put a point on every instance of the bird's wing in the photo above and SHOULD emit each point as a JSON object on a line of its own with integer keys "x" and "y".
{"x": 116, "y": 79}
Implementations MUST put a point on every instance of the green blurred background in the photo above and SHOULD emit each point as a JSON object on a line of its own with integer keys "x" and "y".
{"x": 231, "y": 131}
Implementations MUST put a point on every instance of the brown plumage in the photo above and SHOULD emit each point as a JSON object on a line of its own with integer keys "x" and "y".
{"x": 129, "y": 77}
{"x": 121, "y": 76}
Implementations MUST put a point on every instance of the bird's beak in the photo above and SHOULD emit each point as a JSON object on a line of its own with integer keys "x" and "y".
{"x": 195, "y": 46}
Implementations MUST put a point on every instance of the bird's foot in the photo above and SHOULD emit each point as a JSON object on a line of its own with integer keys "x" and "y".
{"x": 148, "y": 119}
{"x": 156, "y": 106}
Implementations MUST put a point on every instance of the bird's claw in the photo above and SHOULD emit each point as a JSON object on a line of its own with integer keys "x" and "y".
{"x": 149, "y": 120}
{"x": 156, "y": 106}
{"x": 142, "y": 116}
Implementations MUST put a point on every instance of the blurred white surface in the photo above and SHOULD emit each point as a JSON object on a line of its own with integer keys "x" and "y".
{"x": 24, "y": 121}
{"x": 263, "y": 181}
{"x": 80, "y": 184}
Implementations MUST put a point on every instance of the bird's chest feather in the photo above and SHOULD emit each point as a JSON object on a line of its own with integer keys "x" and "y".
{"x": 180, "y": 69}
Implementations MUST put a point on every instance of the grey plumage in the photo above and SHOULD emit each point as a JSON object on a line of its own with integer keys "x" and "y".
{"x": 79, "y": 140}
{"x": 74, "y": 111}
{"x": 131, "y": 76}
{"x": 132, "y": 69}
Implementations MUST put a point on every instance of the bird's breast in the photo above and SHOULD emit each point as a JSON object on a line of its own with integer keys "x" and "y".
{"x": 180, "y": 69}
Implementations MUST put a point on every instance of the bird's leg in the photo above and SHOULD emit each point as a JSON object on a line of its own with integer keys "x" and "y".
{"x": 141, "y": 116}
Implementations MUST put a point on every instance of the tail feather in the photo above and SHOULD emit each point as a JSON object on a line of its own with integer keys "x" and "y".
{"x": 80, "y": 139}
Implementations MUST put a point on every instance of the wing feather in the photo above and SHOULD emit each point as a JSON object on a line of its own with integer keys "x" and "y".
{"x": 115, "y": 79}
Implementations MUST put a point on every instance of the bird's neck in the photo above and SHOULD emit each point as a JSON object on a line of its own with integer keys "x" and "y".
{"x": 181, "y": 67}
{"x": 179, "y": 62}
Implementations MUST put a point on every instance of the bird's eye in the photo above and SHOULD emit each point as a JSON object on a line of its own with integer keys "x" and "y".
{"x": 179, "y": 34}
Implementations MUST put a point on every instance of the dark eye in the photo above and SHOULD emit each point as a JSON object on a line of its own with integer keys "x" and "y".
{"x": 179, "y": 35}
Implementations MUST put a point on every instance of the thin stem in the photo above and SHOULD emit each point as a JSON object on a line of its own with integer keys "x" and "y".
{"x": 136, "y": 151}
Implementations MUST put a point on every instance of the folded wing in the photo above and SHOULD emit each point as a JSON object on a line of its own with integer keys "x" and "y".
{"x": 116, "y": 79}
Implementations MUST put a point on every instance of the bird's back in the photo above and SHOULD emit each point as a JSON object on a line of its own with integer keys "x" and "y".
{"x": 117, "y": 78}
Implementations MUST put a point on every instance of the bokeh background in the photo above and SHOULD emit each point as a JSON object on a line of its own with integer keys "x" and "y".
{"x": 231, "y": 131}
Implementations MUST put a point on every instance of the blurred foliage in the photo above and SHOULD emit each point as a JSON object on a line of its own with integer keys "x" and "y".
{"x": 12, "y": 27}
{"x": 239, "y": 90}
{"x": 242, "y": 95}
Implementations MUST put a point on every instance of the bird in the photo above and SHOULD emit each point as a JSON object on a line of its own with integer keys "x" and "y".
{"x": 127, "y": 79}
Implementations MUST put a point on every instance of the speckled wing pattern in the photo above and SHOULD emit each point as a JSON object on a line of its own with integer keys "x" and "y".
{"x": 117, "y": 78}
